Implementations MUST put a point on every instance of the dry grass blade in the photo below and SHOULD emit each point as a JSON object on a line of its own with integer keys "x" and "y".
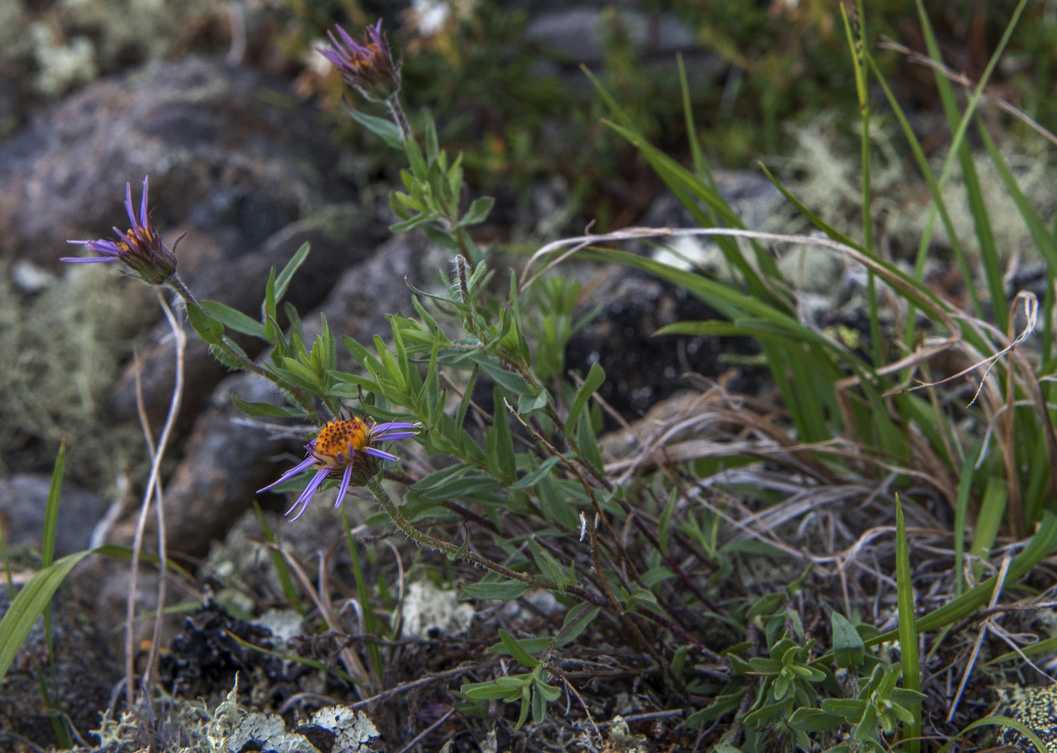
{"x": 349, "y": 659}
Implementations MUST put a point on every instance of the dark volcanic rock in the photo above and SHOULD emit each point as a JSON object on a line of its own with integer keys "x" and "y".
{"x": 209, "y": 135}
{"x": 642, "y": 368}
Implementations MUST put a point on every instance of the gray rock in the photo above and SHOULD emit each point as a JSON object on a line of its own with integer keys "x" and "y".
{"x": 578, "y": 33}
{"x": 214, "y": 138}
{"x": 22, "y": 501}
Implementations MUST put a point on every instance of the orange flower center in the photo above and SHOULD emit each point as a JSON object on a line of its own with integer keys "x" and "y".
{"x": 337, "y": 437}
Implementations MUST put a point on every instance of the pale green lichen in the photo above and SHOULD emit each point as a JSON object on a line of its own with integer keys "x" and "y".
{"x": 62, "y": 64}
{"x": 231, "y": 727}
{"x": 823, "y": 172}
{"x": 1036, "y": 709}
{"x": 427, "y": 608}
{"x": 63, "y": 349}
{"x": 72, "y": 43}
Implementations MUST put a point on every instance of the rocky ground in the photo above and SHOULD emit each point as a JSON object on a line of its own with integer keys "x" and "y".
{"x": 244, "y": 164}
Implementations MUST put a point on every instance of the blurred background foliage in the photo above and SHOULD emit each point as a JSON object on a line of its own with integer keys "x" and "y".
{"x": 521, "y": 112}
{"x": 519, "y": 108}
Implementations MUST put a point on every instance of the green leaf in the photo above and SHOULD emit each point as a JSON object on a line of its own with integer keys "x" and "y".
{"x": 509, "y": 381}
{"x": 532, "y": 478}
{"x": 576, "y": 621}
{"x": 988, "y": 522}
{"x": 558, "y": 499}
{"x": 848, "y": 708}
{"x": 235, "y": 319}
{"x": 723, "y": 705}
{"x": 259, "y": 410}
{"x": 548, "y": 565}
{"x": 908, "y": 634}
{"x": 533, "y": 646}
{"x": 490, "y": 691}
{"x": 458, "y": 486}
{"x": 282, "y": 282}
{"x": 539, "y": 706}
{"x": 477, "y": 213}
{"x": 1041, "y": 546}
{"x": 526, "y": 704}
{"x": 595, "y": 377}
{"x": 51, "y": 509}
{"x": 506, "y": 590}
{"x": 499, "y": 443}
{"x": 268, "y": 309}
{"x": 411, "y": 223}
{"x": 31, "y": 602}
{"x": 514, "y": 648}
{"x": 208, "y": 328}
{"x": 766, "y": 604}
{"x": 301, "y": 371}
{"x": 848, "y": 647}
{"x": 549, "y": 692}
{"x": 813, "y": 720}
{"x": 385, "y": 129}
{"x": 1005, "y": 721}
{"x": 587, "y": 441}
{"x": 905, "y": 697}
{"x": 665, "y": 521}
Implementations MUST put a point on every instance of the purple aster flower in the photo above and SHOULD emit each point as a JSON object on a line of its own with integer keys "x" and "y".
{"x": 345, "y": 449}
{"x": 366, "y": 65}
{"x": 139, "y": 248}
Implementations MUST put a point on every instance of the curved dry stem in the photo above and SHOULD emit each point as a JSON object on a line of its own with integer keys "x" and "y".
{"x": 154, "y": 488}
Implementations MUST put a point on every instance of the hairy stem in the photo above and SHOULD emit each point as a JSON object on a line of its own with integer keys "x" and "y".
{"x": 424, "y": 539}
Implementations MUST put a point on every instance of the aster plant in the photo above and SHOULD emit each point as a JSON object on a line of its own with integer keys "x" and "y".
{"x": 541, "y": 509}
{"x": 553, "y": 473}
{"x": 368, "y": 67}
{"x": 345, "y": 449}
{"x": 139, "y": 248}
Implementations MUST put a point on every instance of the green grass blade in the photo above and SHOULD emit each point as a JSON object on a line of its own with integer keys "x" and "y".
{"x": 30, "y": 604}
{"x": 959, "y": 123}
{"x": 697, "y": 156}
{"x": 286, "y": 580}
{"x": 51, "y": 524}
{"x": 961, "y": 515}
{"x": 988, "y": 522}
{"x": 1040, "y": 234}
{"x": 908, "y": 634}
{"x": 363, "y": 593}
{"x": 813, "y": 218}
{"x": 935, "y": 189}
{"x": 1000, "y": 721}
{"x": 1041, "y": 546}
{"x": 51, "y": 508}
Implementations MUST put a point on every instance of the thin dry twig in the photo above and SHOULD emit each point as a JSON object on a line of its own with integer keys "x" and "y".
{"x": 968, "y": 83}
{"x": 999, "y": 583}
{"x": 153, "y": 489}
{"x": 425, "y": 733}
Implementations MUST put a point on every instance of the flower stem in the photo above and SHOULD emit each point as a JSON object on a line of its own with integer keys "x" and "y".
{"x": 399, "y": 117}
{"x": 247, "y": 364}
{"x": 424, "y": 539}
